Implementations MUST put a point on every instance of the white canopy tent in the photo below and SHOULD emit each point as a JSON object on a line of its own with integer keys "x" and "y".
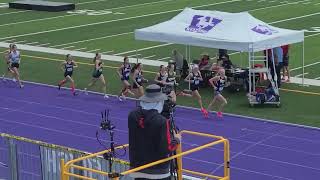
{"x": 214, "y": 29}
{"x": 222, "y": 30}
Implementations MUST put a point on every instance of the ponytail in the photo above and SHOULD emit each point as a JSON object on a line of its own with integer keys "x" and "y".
{"x": 67, "y": 57}
{"x": 95, "y": 57}
{"x": 161, "y": 66}
{"x": 124, "y": 59}
{"x": 135, "y": 67}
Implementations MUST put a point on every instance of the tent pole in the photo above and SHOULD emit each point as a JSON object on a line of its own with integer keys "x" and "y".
{"x": 303, "y": 63}
{"x": 189, "y": 51}
{"x": 250, "y": 74}
{"x": 275, "y": 77}
{"x": 137, "y": 56}
{"x": 187, "y": 54}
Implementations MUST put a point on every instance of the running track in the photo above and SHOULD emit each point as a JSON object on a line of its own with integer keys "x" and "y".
{"x": 260, "y": 150}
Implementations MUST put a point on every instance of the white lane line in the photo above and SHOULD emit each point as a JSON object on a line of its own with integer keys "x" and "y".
{"x": 126, "y": 33}
{"x": 317, "y": 4}
{"x": 116, "y": 20}
{"x": 94, "y": 114}
{"x": 82, "y": 54}
{"x": 311, "y": 35}
{"x": 68, "y": 47}
{"x": 48, "y": 18}
{"x": 106, "y": 52}
{"x": 14, "y": 12}
{"x": 35, "y": 20}
{"x": 308, "y": 65}
{"x": 45, "y": 128}
{"x": 142, "y": 4}
{"x": 80, "y": 49}
{"x": 138, "y": 50}
{"x": 301, "y": 74}
{"x": 32, "y": 43}
{"x": 279, "y": 5}
{"x": 250, "y": 147}
{"x": 88, "y": 2}
{"x": 317, "y": 78}
{"x": 306, "y": 81}
{"x": 294, "y": 18}
{"x": 45, "y": 44}
{"x": 237, "y": 168}
{"x": 20, "y": 41}
{"x": 104, "y": 37}
{"x": 147, "y": 57}
{"x": 11, "y": 40}
{"x": 94, "y": 50}
{"x": 135, "y": 55}
{"x": 161, "y": 59}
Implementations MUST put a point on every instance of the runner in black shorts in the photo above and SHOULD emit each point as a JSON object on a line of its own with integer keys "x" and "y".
{"x": 98, "y": 75}
{"x": 161, "y": 77}
{"x": 68, "y": 67}
{"x": 15, "y": 58}
{"x": 194, "y": 78}
{"x": 7, "y": 61}
{"x": 171, "y": 83}
{"x": 218, "y": 83}
{"x": 124, "y": 74}
{"x": 138, "y": 79}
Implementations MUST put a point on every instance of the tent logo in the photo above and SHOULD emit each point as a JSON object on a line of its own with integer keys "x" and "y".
{"x": 202, "y": 24}
{"x": 264, "y": 29}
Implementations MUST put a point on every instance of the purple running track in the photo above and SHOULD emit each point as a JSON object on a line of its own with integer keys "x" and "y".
{"x": 261, "y": 150}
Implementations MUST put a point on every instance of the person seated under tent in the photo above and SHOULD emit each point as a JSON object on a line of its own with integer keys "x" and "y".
{"x": 204, "y": 61}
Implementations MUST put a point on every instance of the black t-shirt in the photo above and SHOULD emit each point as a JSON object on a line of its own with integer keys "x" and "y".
{"x": 149, "y": 140}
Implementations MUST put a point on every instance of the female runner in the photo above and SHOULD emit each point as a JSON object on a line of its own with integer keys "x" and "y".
{"x": 124, "y": 73}
{"x": 171, "y": 83}
{"x": 194, "y": 79}
{"x": 161, "y": 77}
{"x": 15, "y": 58}
{"x": 7, "y": 61}
{"x": 68, "y": 67}
{"x": 98, "y": 75}
{"x": 218, "y": 82}
{"x": 138, "y": 79}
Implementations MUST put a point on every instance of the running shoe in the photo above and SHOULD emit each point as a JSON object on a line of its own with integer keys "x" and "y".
{"x": 219, "y": 114}
{"x": 85, "y": 91}
{"x": 205, "y": 112}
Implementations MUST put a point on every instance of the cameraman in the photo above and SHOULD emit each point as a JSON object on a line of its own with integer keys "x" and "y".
{"x": 149, "y": 136}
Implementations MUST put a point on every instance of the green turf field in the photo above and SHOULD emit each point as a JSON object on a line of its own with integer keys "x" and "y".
{"x": 107, "y": 26}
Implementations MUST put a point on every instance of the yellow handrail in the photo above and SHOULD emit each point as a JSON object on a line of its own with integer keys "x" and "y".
{"x": 172, "y": 157}
{"x": 65, "y": 167}
{"x": 94, "y": 155}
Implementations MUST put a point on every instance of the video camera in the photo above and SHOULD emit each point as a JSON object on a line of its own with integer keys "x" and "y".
{"x": 168, "y": 108}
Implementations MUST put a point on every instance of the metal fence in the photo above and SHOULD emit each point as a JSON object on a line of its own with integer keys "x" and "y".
{"x": 26, "y": 159}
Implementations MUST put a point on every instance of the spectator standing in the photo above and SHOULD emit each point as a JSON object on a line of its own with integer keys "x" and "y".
{"x": 278, "y": 60}
{"x": 149, "y": 136}
{"x": 285, "y": 69}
